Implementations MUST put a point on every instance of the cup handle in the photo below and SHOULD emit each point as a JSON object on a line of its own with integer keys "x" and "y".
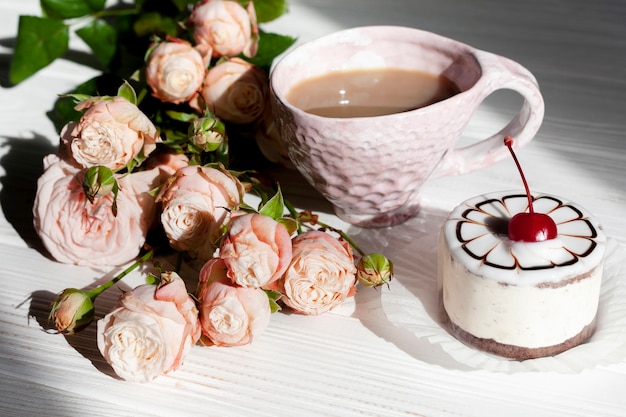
{"x": 498, "y": 73}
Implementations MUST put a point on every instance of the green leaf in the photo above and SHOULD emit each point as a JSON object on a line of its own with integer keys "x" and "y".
{"x": 68, "y": 9}
{"x": 136, "y": 161}
{"x": 181, "y": 116}
{"x": 128, "y": 92}
{"x": 39, "y": 42}
{"x": 174, "y": 136}
{"x": 154, "y": 23}
{"x": 274, "y": 207}
{"x": 270, "y": 46}
{"x": 77, "y": 97}
{"x": 273, "y": 297}
{"x": 290, "y": 224}
{"x": 247, "y": 208}
{"x": 101, "y": 38}
{"x": 268, "y": 10}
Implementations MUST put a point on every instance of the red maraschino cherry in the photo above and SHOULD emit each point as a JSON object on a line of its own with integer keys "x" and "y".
{"x": 531, "y": 226}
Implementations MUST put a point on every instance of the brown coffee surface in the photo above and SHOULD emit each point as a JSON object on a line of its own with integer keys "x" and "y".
{"x": 371, "y": 92}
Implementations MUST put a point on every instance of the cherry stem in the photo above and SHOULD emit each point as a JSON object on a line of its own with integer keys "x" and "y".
{"x": 508, "y": 141}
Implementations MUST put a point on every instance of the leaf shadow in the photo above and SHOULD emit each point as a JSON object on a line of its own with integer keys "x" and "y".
{"x": 5, "y": 65}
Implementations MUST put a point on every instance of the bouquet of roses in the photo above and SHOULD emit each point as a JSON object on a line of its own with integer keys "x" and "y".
{"x": 152, "y": 169}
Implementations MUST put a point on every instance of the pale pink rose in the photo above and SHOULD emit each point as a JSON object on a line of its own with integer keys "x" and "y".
{"x": 78, "y": 232}
{"x": 230, "y": 315}
{"x": 151, "y": 330}
{"x": 256, "y": 250}
{"x": 226, "y": 27}
{"x": 196, "y": 204}
{"x": 111, "y": 132}
{"x": 174, "y": 71}
{"x": 321, "y": 274}
{"x": 236, "y": 91}
{"x": 167, "y": 162}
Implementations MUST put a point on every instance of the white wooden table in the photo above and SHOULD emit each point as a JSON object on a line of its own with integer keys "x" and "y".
{"x": 362, "y": 359}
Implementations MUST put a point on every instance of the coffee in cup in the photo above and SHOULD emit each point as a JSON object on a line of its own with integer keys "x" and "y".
{"x": 368, "y": 93}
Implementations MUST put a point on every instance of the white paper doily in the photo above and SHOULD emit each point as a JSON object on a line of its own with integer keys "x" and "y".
{"x": 411, "y": 304}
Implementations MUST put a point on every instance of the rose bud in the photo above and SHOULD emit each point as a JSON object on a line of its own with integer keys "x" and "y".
{"x": 374, "y": 270}
{"x": 72, "y": 311}
{"x": 99, "y": 181}
{"x": 207, "y": 133}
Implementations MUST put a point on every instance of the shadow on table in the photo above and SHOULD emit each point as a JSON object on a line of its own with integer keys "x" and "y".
{"x": 22, "y": 165}
{"x": 412, "y": 247}
{"x": 84, "y": 341}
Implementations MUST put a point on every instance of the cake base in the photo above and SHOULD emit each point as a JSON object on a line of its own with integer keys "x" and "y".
{"x": 518, "y": 352}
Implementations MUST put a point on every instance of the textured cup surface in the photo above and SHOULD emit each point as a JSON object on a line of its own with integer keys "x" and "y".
{"x": 372, "y": 168}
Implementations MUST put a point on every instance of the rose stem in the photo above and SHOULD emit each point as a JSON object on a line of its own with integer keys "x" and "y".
{"x": 344, "y": 235}
{"x": 93, "y": 293}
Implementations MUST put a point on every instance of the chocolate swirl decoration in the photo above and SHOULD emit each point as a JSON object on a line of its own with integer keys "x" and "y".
{"x": 482, "y": 232}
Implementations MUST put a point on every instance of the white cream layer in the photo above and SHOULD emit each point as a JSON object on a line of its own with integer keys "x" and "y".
{"x": 486, "y": 291}
{"x": 526, "y": 316}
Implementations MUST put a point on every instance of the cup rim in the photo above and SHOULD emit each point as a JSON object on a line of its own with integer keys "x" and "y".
{"x": 457, "y": 48}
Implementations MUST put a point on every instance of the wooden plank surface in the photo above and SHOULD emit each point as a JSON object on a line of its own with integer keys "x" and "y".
{"x": 353, "y": 361}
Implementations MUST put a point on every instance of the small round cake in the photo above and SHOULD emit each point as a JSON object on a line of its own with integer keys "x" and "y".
{"x": 520, "y": 299}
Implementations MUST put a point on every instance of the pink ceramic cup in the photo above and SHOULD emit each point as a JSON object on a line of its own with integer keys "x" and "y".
{"x": 372, "y": 168}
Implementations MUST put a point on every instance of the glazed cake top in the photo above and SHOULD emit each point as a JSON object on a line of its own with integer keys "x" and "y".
{"x": 476, "y": 235}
